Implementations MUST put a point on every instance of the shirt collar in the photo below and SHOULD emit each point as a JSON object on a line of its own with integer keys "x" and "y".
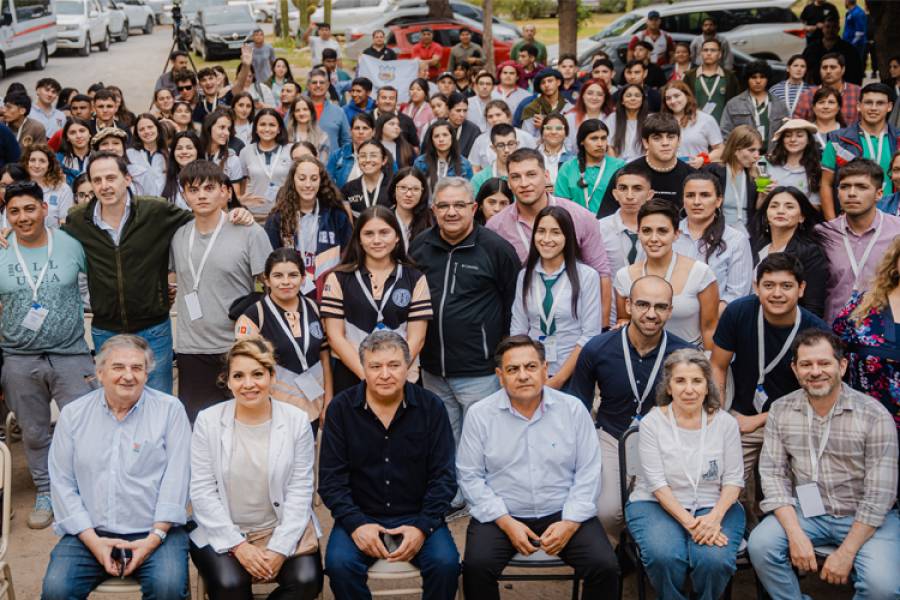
{"x": 102, "y": 224}
{"x": 101, "y": 400}
{"x": 540, "y": 269}
{"x": 359, "y": 399}
{"x": 548, "y": 399}
{"x": 879, "y": 217}
{"x": 844, "y": 401}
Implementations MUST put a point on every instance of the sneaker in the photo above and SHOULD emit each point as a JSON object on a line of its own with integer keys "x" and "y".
{"x": 42, "y": 514}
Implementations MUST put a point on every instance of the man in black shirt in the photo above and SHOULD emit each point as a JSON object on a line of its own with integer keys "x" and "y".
{"x": 387, "y": 475}
{"x": 378, "y": 49}
{"x": 386, "y": 103}
{"x": 814, "y": 15}
{"x": 828, "y": 43}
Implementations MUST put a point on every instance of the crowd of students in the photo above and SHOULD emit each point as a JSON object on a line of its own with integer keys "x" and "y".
{"x": 469, "y": 298}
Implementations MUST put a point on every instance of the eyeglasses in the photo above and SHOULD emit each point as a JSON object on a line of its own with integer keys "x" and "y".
{"x": 643, "y": 306}
{"x": 402, "y": 189}
{"x": 443, "y": 207}
{"x": 507, "y": 146}
{"x": 182, "y": 88}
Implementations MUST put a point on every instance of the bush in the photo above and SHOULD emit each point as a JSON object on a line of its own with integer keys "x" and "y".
{"x": 521, "y": 10}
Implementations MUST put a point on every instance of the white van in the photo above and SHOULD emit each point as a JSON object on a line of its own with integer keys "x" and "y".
{"x": 27, "y": 34}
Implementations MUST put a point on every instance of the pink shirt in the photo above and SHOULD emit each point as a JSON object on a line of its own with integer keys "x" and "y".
{"x": 517, "y": 231}
{"x": 841, "y": 277}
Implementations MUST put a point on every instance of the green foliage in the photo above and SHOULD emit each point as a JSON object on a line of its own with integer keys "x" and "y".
{"x": 526, "y": 9}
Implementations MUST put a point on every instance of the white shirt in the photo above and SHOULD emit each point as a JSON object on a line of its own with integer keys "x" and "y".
{"x": 571, "y": 330}
{"x": 53, "y": 121}
{"x": 476, "y": 113}
{"x": 733, "y": 267}
{"x": 784, "y": 175}
{"x": 632, "y": 147}
{"x": 699, "y": 136}
{"x": 664, "y": 460}
{"x": 317, "y": 44}
{"x": 59, "y": 200}
{"x": 156, "y": 162}
{"x": 114, "y": 233}
{"x": 617, "y": 244}
{"x": 265, "y": 180}
{"x": 482, "y": 155}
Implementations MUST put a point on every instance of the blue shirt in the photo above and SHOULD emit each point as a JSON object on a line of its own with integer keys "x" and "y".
{"x": 602, "y": 363}
{"x": 351, "y": 109}
{"x": 334, "y": 123}
{"x": 855, "y": 24}
{"x": 529, "y": 468}
{"x": 120, "y": 476}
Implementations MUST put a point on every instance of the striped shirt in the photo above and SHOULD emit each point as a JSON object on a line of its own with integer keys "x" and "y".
{"x": 858, "y": 468}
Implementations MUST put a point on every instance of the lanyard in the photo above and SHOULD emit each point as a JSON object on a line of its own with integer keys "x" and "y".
{"x": 379, "y": 308}
{"x": 816, "y": 455}
{"x": 639, "y": 398}
{"x": 855, "y": 266}
{"x": 365, "y": 190}
{"x": 443, "y": 167}
{"x": 792, "y": 104}
{"x": 301, "y": 242}
{"x": 587, "y": 196}
{"x": 870, "y": 146}
{"x": 758, "y": 110}
{"x": 546, "y": 319}
{"x": 270, "y": 169}
{"x": 740, "y": 188}
{"x": 669, "y": 271}
{"x": 765, "y": 369}
{"x": 198, "y": 271}
{"x": 34, "y": 285}
{"x": 709, "y": 92}
{"x": 301, "y": 353}
{"x": 695, "y": 482}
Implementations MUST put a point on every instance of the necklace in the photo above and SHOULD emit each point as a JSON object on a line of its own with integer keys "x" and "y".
{"x": 661, "y": 169}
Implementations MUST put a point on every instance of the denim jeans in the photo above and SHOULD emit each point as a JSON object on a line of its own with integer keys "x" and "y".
{"x": 347, "y": 566}
{"x": 73, "y": 571}
{"x": 159, "y": 337}
{"x": 670, "y": 555}
{"x": 458, "y": 394}
{"x": 875, "y": 574}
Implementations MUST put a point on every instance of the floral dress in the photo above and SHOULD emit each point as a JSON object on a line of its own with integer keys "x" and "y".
{"x": 873, "y": 346}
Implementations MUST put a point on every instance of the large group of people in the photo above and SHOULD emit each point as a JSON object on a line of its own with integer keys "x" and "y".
{"x": 457, "y": 306}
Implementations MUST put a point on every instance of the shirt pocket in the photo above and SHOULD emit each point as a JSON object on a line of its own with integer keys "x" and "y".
{"x": 146, "y": 458}
{"x": 713, "y": 466}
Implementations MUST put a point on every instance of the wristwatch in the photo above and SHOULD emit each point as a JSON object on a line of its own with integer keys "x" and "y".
{"x": 159, "y": 533}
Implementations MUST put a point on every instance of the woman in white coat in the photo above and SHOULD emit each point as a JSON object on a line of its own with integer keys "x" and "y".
{"x": 252, "y": 486}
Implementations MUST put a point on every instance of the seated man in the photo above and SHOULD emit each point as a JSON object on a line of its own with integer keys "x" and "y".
{"x": 529, "y": 468}
{"x": 832, "y": 451}
{"x": 119, "y": 475}
{"x": 394, "y": 508}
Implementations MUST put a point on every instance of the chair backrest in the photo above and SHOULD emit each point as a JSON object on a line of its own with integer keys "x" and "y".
{"x": 6, "y": 490}
{"x": 629, "y": 461}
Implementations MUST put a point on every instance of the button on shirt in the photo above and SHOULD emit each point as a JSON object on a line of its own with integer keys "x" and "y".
{"x": 602, "y": 363}
{"x": 368, "y": 472}
{"x": 120, "y": 476}
{"x": 529, "y": 468}
{"x": 114, "y": 232}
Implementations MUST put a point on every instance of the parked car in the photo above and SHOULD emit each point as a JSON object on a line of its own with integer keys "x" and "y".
{"x": 81, "y": 24}
{"x": 189, "y": 10}
{"x": 345, "y": 14}
{"x": 159, "y": 10}
{"x": 503, "y": 29}
{"x": 446, "y": 33}
{"x": 118, "y": 20}
{"x": 220, "y": 31}
{"x": 139, "y": 15}
{"x": 28, "y": 34}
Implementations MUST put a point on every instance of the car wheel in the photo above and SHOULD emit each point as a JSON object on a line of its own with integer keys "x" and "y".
{"x": 86, "y": 49}
{"x": 40, "y": 63}
{"x": 2, "y": 69}
{"x": 107, "y": 41}
{"x": 123, "y": 36}
{"x": 148, "y": 26}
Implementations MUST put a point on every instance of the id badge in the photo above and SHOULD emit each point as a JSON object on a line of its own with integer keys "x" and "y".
{"x": 762, "y": 131}
{"x": 35, "y": 317}
{"x": 810, "y": 500}
{"x": 309, "y": 382}
{"x": 192, "y": 301}
{"x": 271, "y": 193}
{"x": 550, "y": 348}
{"x": 709, "y": 108}
{"x": 760, "y": 397}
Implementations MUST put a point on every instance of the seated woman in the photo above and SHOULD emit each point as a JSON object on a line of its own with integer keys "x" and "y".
{"x": 252, "y": 484}
{"x": 683, "y": 512}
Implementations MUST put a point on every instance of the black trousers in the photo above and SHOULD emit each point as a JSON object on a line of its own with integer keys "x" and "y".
{"x": 198, "y": 382}
{"x": 300, "y": 577}
{"x": 488, "y": 551}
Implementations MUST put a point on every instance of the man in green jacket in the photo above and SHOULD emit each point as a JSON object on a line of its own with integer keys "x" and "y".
{"x": 713, "y": 86}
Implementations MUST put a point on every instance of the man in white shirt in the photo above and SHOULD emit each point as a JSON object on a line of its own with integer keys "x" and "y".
{"x": 320, "y": 41}
{"x": 484, "y": 93}
{"x": 528, "y": 465}
{"x": 44, "y": 109}
{"x": 482, "y": 156}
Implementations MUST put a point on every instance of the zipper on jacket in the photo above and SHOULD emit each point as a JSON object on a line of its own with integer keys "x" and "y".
{"x": 453, "y": 284}
{"x": 484, "y": 342}
{"x": 121, "y": 286}
{"x": 443, "y": 300}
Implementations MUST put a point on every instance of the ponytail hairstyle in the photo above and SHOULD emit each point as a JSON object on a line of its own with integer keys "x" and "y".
{"x": 571, "y": 254}
{"x": 587, "y": 127}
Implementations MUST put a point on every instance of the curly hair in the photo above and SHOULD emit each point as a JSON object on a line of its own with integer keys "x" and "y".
{"x": 54, "y": 175}
{"x": 287, "y": 202}
{"x": 689, "y": 356}
{"x": 885, "y": 280}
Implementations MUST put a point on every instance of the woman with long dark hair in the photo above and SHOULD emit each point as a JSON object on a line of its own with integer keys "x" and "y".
{"x": 370, "y": 188}
{"x": 281, "y": 74}
{"x": 389, "y": 133}
{"x": 408, "y": 194}
{"x": 786, "y": 222}
{"x": 215, "y": 140}
{"x": 310, "y": 217}
{"x": 375, "y": 287}
{"x": 163, "y": 102}
{"x": 493, "y": 196}
{"x": 700, "y": 133}
{"x": 557, "y": 296}
{"x": 185, "y": 148}
{"x": 266, "y": 161}
{"x": 74, "y": 148}
{"x": 343, "y": 165}
{"x": 149, "y": 145}
{"x": 440, "y": 154}
{"x": 244, "y": 111}
{"x": 418, "y": 108}
{"x": 625, "y": 123}
{"x": 584, "y": 181}
{"x": 705, "y": 237}
{"x": 828, "y": 116}
{"x": 796, "y": 160}
{"x": 183, "y": 116}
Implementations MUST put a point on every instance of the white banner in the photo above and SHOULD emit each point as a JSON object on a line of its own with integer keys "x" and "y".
{"x": 395, "y": 73}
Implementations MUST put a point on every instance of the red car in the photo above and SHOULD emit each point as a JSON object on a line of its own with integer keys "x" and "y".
{"x": 446, "y": 34}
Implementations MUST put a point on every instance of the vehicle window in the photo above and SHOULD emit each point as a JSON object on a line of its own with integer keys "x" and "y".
{"x": 229, "y": 14}
{"x": 447, "y": 37}
{"x": 31, "y": 9}
{"x": 68, "y": 7}
{"x": 726, "y": 20}
{"x": 465, "y": 10}
{"x": 413, "y": 37}
{"x": 477, "y": 38}
{"x": 673, "y": 23}
{"x": 344, "y": 4}
{"x": 391, "y": 39}
{"x": 618, "y": 27}
{"x": 368, "y": 3}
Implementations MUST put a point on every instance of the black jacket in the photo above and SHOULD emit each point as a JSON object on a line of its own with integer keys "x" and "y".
{"x": 473, "y": 285}
{"x": 467, "y": 136}
{"x": 718, "y": 169}
{"x": 815, "y": 270}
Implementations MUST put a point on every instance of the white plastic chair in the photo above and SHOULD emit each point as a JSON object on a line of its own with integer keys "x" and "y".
{"x": 6, "y": 584}
{"x": 383, "y": 570}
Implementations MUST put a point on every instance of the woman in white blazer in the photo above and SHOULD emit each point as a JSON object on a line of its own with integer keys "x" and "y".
{"x": 252, "y": 486}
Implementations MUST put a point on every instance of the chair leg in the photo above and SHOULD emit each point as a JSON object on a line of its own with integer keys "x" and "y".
{"x": 7, "y": 578}
{"x": 576, "y": 584}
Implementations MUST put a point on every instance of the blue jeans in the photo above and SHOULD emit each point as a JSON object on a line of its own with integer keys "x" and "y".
{"x": 875, "y": 574}
{"x": 73, "y": 571}
{"x": 159, "y": 337}
{"x": 347, "y": 566}
{"x": 670, "y": 555}
{"x": 458, "y": 394}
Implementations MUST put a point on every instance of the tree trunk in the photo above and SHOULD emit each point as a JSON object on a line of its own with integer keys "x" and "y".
{"x": 439, "y": 9}
{"x": 885, "y": 15}
{"x": 285, "y": 21}
{"x": 327, "y": 11}
{"x": 487, "y": 38}
{"x": 568, "y": 26}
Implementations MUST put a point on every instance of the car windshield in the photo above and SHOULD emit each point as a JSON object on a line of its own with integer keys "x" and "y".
{"x": 617, "y": 27}
{"x": 68, "y": 7}
{"x": 192, "y": 6}
{"x": 228, "y": 14}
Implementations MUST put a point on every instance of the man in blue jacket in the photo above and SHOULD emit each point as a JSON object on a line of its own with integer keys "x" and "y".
{"x": 331, "y": 119}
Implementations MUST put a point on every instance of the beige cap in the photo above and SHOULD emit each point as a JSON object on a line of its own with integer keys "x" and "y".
{"x": 792, "y": 124}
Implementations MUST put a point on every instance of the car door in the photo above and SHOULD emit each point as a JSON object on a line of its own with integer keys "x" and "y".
{"x": 98, "y": 20}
